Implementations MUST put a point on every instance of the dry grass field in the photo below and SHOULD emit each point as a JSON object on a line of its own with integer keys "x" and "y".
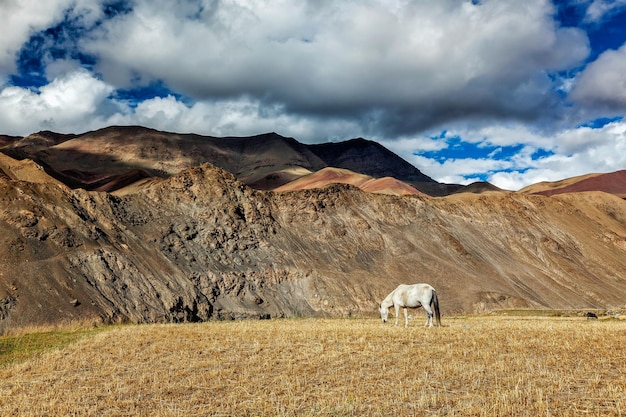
{"x": 489, "y": 366}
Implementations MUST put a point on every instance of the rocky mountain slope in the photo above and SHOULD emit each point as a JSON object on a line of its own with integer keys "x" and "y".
{"x": 202, "y": 245}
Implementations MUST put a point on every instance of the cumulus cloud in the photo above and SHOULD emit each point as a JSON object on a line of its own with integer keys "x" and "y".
{"x": 395, "y": 66}
{"x": 73, "y": 102}
{"x": 602, "y": 83}
{"x": 76, "y": 102}
{"x": 242, "y": 117}
{"x": 390, "y": 67}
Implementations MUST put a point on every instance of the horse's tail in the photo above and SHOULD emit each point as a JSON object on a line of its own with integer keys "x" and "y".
{"x": 435, "y": 304}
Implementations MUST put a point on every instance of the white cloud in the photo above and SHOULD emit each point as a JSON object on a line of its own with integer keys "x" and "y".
{"x": 577, "y": 151}
{"x": 435, "y": 60}
{"x": 602, "y": 83}
{"x": 461, "y": 171}
{"x": 599, "y": 9}
{"x": 567, "y": 153}
{"x": 392, "y": 68}
{"x": 19, "y": 20}
{"x": 242, "y": 117}
{"x": 73, "y": 102}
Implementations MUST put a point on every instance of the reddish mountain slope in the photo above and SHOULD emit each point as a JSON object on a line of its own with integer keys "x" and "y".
{"x": 327, "y": 176}
{"x": 612, "y": 183}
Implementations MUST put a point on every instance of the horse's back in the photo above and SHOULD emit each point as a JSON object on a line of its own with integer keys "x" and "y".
{"x": 412, "y": 295}
{"x": 406, "y": 287}
{"x": 417, "y": 289}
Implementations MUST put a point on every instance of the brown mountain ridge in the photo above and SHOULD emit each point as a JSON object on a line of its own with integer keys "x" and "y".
{"x": 108, "y": 159}
{"x": 196, "y": 243}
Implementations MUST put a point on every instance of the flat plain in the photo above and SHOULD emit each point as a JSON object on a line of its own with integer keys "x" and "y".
{"x": 473, "y": 366}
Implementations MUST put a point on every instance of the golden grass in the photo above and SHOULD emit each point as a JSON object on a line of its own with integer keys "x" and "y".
{"x": 475, "y": 366}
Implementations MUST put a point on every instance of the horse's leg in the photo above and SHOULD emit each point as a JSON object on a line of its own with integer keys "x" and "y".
{"x": 406, "y": 317}
{"x": 429, "y": 318}
{"x": 397, "y": 308}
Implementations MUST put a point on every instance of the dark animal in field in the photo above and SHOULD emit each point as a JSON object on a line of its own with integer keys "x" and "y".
{"x": 591, "y": 316}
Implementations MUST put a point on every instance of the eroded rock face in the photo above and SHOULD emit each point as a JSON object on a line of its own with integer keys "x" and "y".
{"x": 200, "y": 245}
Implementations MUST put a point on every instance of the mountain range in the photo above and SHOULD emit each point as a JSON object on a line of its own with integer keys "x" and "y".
{"x": 111, "y": 158}
{"x": 133, "y": 224}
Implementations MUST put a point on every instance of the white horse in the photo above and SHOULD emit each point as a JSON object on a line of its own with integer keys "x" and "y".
{"x": 412, "y": 296}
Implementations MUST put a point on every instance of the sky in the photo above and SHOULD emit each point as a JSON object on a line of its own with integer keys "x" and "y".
{"x": 506, "y": 91}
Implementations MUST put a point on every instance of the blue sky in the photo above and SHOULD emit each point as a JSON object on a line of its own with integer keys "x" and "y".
{"x": 494, "y": 90}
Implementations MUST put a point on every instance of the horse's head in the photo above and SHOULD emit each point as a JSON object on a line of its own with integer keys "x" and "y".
{"x": 384, "y": 312}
